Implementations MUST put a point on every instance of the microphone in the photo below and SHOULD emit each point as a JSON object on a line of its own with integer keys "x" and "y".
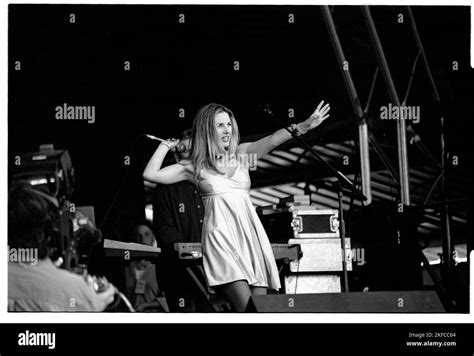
{"x": 154, "y": 138}
{"x": 180, "y": 148}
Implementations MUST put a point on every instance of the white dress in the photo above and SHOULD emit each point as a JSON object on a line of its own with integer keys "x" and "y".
{"x": 234, "y": 243}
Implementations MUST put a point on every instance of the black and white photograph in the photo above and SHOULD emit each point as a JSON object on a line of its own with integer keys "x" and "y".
{"x": 239, "y": 159}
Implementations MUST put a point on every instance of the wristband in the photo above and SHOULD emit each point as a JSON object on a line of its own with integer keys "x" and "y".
{"x": 296, "y": 130}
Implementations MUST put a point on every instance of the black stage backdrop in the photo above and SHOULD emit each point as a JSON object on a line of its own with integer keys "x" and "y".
{"x": 139, "y": 65}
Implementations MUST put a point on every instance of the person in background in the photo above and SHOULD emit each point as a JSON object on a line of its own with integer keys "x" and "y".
{"x": 141, "y": 286}
{"x": 35, "y": 283}
{"x": 178, "y": 213}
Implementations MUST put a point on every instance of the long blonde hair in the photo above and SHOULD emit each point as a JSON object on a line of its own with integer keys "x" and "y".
{"x": 206, "y": 148}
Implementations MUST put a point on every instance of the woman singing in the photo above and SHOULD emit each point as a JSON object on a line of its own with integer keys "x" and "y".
{"x": 237, "y": 255}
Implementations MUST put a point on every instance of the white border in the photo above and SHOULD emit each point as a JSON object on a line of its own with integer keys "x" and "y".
{"x": 186, "y": 318}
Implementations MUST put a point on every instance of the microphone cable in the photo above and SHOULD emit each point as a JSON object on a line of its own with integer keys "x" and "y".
{"x": 122, "y": 180}
{"x": 115, "y": 304}
{"x": 125, "y": 300}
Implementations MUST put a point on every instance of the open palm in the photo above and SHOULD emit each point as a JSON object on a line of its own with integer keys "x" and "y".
{"x": 317, "y": 117}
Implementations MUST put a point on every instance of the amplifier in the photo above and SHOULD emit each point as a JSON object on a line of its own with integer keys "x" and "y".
{"x": 312, "y": 283}
{"x": 300, "y": 222}
{"x": 320, "y": 255}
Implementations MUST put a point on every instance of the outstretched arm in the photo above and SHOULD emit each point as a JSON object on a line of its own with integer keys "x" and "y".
{"x": 168, "y": 175}
{"x": 268, "y": 143}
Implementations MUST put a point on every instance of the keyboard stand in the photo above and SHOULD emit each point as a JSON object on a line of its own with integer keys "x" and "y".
{"x": 202, "y": 289}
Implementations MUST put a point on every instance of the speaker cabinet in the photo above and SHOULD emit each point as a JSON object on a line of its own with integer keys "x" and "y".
{"x": 352, "y": 302}
{"x": 312, "y": 283}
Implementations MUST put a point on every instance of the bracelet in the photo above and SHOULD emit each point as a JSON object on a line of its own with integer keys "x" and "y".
{"x": 296, "y": 130}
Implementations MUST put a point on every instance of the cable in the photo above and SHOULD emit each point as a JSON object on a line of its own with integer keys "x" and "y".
{"x": 371, "y": 91}
{"x": 198, "y": 283}
{"x": 410, "y": 80}
{"x": 126, "y": 301}
{"x": 356, "y": 174}
{"x": 297, "y": 275}
{"x": 122, "y": 180}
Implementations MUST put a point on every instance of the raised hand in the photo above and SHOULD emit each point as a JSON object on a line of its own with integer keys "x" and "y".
{"x": 316, "y": 118}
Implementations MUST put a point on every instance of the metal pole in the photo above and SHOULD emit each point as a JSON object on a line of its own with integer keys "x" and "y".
{"x": 372, "y": 140}
{"x": 342, "y": 232}
{"x": 356, "y": 106}
{"x": 445, "y": 218}
{"x": 422, "y": 51}
{"x": 401, "y": 129}
{"x": 365, "y": 160}
{"x": 445, "y": 222}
